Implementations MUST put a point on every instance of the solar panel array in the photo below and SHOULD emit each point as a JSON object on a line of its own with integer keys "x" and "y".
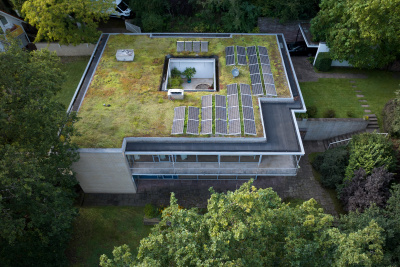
{"x": 233, "y": 109}
{"x": 188, "y": 46}
{"x": 179, "y": 120}
{"x": 180, "y": 46}
{"x": 196, "y": 46}
{"x": 230, "y": 55}
{"x": 204, "y": 46}
{"x": 266, "y": 71}
{"x": 247, "y": 110}
{"x": 193, "y": 121}
{"x": 206, "y": 114}
{"x": 241, "y": 55}
{"x": 220, "y": 115}
{"x": 254, "y": 68}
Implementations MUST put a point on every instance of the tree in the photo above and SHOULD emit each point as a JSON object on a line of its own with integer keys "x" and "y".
{"x": 391, "y": 116}
{"x": 362, "y": 191}
{"x": 66, "y": 21}
{"x": 354, "y": 31}
{"x": 369, "y": 151}
{"x": 36, "y": 180}
{"x": 251, "y": 227}
{"x": 387, "y": 218}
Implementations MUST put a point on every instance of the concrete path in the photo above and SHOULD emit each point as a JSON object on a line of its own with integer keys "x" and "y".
{"x": 195, "y": 193}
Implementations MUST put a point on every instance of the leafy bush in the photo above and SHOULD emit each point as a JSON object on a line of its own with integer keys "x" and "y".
{"x": 175, "y": 73}
{"x": 361, "y": 191}
{"x": 150, "y": 211}
{"x": 323, "y": 62}
{"x": 153, "y": 22}
{"x": 189, "y": 72}
{"x": 312, "y": 111}
{"x": 332, "y": 165}
{"x": 175, "y": 82}
{"x": 391, "y": 116}
{"x": 369, "y": 151}
{"x": 330, "y": 113}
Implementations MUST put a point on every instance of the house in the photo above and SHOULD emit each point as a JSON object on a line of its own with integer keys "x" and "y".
{"x": 13, "y": 25}
{"x": 234, "y": 120}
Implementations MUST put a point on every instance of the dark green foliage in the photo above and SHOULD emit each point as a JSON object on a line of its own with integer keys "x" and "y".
{"x": 362, "y": 191}
{"x": 330, "y": 113}
{"x": 323, "y": 61}
{"x": 391, "y": 116}
{"x": 175, "y": 82}
{"x": 332, "y": 165}
{"x": 153, "y": 22}
{"x": 189, "y": 72}
{"x": 175, "y": 73}
{"x": 387, "y": 218}
{"x": 312, "y": 111}
{"x": 369, "y": 151}
{"x": 36, "y": 180}
{"x": 150, "y": 211}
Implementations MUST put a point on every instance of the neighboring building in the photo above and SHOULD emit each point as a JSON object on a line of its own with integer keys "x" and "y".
{"x": 13, "y": 25}
{"x": 230, "y": 128}
{"x": 322, "y": 47}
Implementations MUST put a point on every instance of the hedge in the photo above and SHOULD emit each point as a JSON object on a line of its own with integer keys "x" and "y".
{"x": 323, "y": 61}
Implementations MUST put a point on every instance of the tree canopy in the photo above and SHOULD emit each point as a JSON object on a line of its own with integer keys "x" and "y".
{"x": 366, "y": 33}
{"x": 36, "y": 180}
{"x": 67, "y": 21}
{"x": 251, "y": 227}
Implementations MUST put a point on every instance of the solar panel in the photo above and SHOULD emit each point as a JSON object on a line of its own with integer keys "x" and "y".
{"x": 245, "y": 89}
{"x": 266, "y": 68}
{"x": 229, "y": 50}
{"x": 248, "y": 113}
{"x": 206, "y": 101}
{"x": 268, "y": 79}
{"x": 188, "y": 46}
{"x": 270, "y": 89}
{"x": 220, "y": 101}
{"x": 262, "y": 50}
{"x": 253, "y": 59}
{"x": 241, "y": 50}
{"x": 264, "y": 59}
{"x": 180, "y": 46}
{"x": 220, "y": 113}
{"x": 204, "y": 46}
{"x": 247, "y": 101}
{"x": 206, "y": 113}
{"x": 255, "y": 78}
{"x": 251, "y": 50}
{"x": 242, "y": 60}
{"x": 257, "y": 89}
{"x": 177, "y": 127}
{"x": 233, "y": 101}
{"x": 179, "y": 113}
{"x": 230, "y": 60}
{"x": 249, "y": 127}
{"x": 232, "y": 89}
{"x": 235, "y": 127}
{"x": 254, "y": 69}
{"x": 192, "y": 127}
{"x": 206, "y": 127}
{"x": 221, "y": 127}
{"x": 196, "y": 46}
{"x": 194, "y": 113}
{"x": 233, "y": 113}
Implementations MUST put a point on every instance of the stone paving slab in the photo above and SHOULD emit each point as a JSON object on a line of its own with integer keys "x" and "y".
{"x": 365, "y": 106}
{"x": 360, "y": 95}
{"x": 363, "y": 100}
{"x": 367, "y": 111}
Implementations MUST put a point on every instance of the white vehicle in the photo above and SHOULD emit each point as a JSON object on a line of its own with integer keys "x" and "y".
{"x": 122, "y": 10}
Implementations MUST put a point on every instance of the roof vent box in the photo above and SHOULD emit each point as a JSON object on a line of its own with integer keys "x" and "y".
{"x": 175, "y": 94}
{"x": 125, "y": 55}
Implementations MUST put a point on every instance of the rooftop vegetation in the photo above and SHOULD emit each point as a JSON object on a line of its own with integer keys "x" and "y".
{"x": 137, "y": 107}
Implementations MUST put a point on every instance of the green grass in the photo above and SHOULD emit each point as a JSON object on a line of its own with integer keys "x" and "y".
{"x": 98, "y": 229}
{"x": 338, "y": 94}
{"x": 131, "y": 88}
{"x": 74, "y": 68}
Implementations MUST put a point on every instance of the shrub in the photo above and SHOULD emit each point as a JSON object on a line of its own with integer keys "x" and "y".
{"x": 312, "y": 111}
{"x": 175, "y": 73}
{"x": 153, "y": 22}
{"x": 330, "y": 113}
{"x": 369, "y": 151}
{"x": 175, "y": 82}
{"x": 391, "y": 116}
{"x": 332, "y": 165}
{"x": 323, "y": 62}
{"x": 311, "y": 60}
{"x": 150, "y": 211}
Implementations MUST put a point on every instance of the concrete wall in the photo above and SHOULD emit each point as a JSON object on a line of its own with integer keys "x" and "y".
{"x": 68, "y": 50}
{"x": 320, "y": 129}
{"x": 103, "y": 171}
{"x": 335, "y": 63}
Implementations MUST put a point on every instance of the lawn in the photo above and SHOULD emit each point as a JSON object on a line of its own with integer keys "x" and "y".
{"x": 74, "y": 68}
{"x": 98, "y": 230}
{"x": 340, "y": 95}
{"x": 137, "y": 108}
